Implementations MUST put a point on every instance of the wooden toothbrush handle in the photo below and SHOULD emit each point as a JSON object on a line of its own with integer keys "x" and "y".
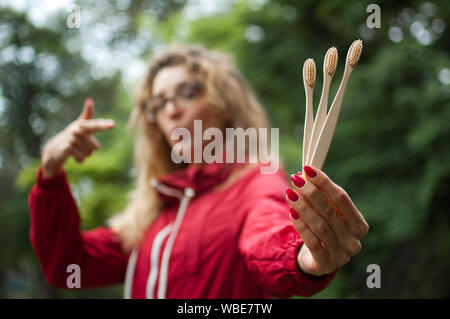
{"x": 320, "y": 118}
{"x": 309, "y": 122}
{"x": 327, "y": 132}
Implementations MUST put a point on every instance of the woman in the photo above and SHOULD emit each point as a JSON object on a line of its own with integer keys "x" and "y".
{"x": 200, "y": 230}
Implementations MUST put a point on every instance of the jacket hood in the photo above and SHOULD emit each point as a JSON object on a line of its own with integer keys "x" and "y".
{"x": 195, "y": 177}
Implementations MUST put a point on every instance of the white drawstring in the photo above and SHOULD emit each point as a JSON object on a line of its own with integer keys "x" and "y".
{"x": 172, "y": 231}
{"x": 165, "y": 189}
{"x": 130, "y": 273}
{"x": 162, "y": 284}
{"x": 154, "y": 260}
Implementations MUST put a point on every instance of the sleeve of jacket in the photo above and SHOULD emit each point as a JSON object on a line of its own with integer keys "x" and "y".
{"x": 270, "y": 244}
{"x": 58, "y": 242}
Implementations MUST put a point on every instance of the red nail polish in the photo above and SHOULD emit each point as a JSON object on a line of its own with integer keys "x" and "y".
{"x": 291, "y": 195}
{"x": 297, "y": 180}
{"x": 294, "y": 214}
{"x": 309, "y": 171}
{"x": 299, "y": 173}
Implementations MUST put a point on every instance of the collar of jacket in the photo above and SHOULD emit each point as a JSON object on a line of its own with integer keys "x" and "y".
{"x": 180, "y": 185}
{"x": 196, "y": 178}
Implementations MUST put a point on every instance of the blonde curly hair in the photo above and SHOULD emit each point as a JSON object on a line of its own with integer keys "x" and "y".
{"x": 226, "y": 88}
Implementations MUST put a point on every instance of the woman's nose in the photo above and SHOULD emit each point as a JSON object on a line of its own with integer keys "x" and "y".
{"x": 172, "y": 110}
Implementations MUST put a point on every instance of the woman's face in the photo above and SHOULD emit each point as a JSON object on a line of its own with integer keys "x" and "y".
{"x": 191, "y": 105}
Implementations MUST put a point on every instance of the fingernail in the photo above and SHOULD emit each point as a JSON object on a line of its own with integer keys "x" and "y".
{"x": 89, "y": 99}
{"x": 294, "y": 214}
{"x": 291, "y": 194}
{"x": 110, "y": 123}
{"x": 299, "y": 173}
{"x": 309, "y": 171}
{"x": 297, "y": 180}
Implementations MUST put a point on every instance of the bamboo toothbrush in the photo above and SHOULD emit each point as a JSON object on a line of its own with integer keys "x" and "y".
{"x": 326, "y": 134}
{"x": 309, "y": 79}
{"x": 329, "y": 67}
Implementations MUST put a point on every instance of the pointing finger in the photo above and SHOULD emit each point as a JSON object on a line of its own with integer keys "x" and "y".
{"x": 88, "y": 110}
{"x": 92, "y": 126}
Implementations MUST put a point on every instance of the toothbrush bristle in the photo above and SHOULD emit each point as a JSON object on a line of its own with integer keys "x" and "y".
{"x": 354, "y": 52}
{"x": 331, "y": 58}
{"x": 309, "y": 72}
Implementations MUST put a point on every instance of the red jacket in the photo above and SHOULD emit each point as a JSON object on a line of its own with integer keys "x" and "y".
{"x": 234, "y": 243}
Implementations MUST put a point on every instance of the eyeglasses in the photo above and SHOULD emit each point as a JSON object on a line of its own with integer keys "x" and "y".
{"x": 185, "y": 96}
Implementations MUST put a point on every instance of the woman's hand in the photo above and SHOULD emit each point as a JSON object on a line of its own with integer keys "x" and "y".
{"x": 76, "y": 139}
{"x": 326, "y": 219}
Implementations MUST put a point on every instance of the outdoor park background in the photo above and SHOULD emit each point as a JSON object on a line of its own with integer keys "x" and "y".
{"x": 390, "y": 151}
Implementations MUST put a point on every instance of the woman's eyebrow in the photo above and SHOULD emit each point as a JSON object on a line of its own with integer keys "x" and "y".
{"x": 177, "y": 87}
